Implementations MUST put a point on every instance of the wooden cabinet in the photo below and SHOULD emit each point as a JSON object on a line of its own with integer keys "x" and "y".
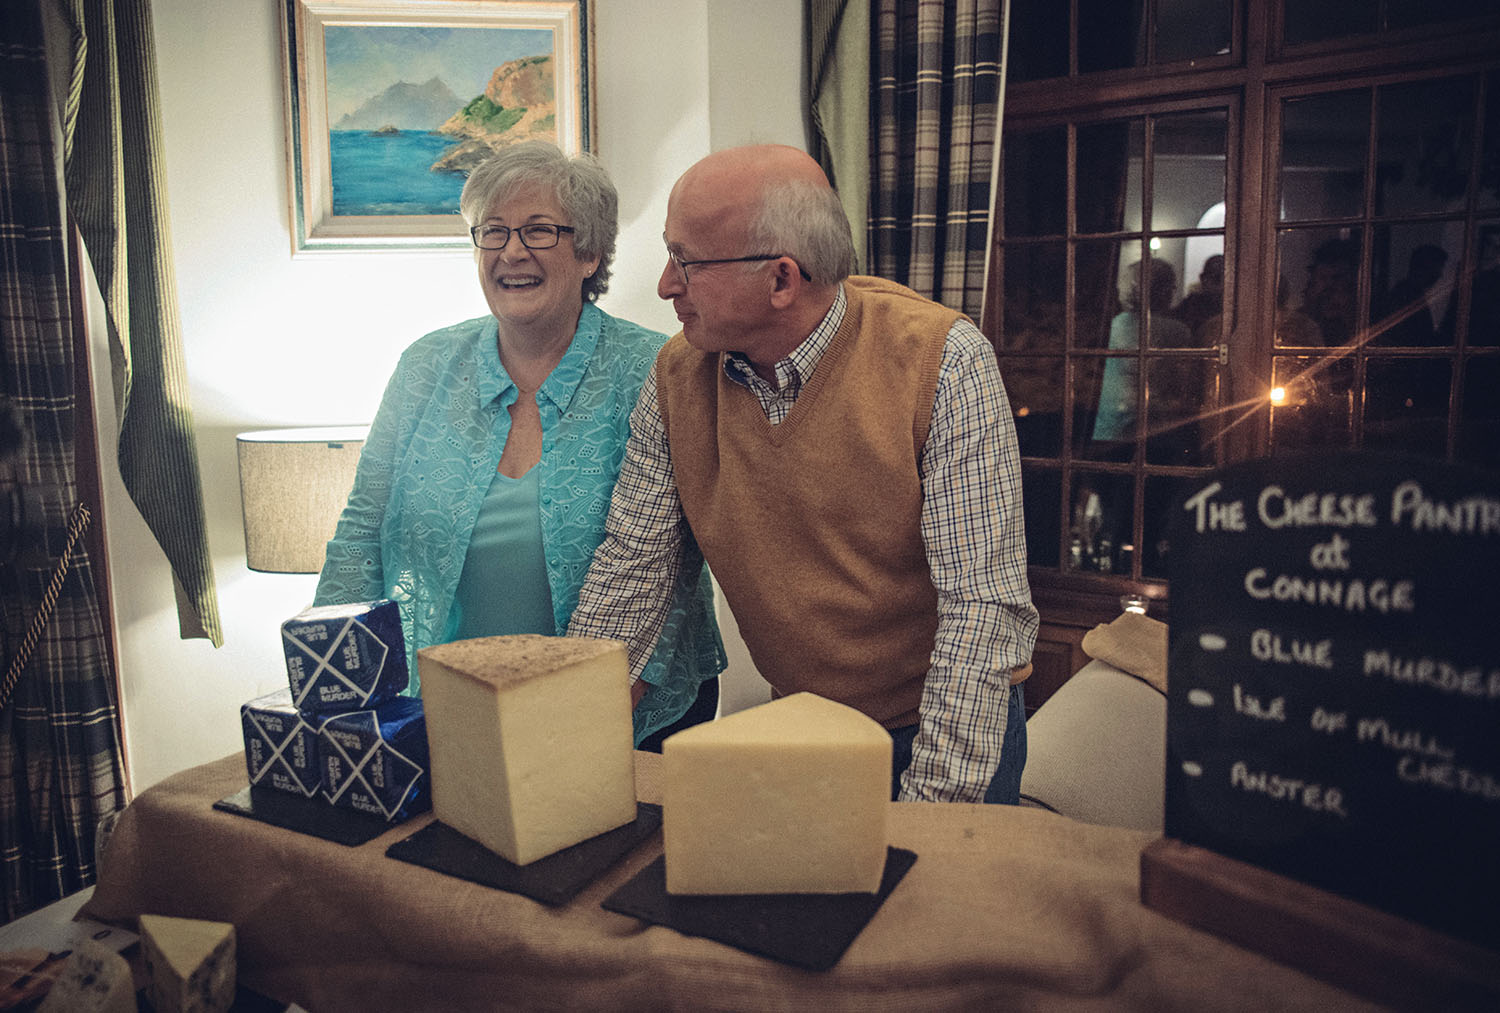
{"x": 1059, "y": 653}
{"x": 1068, "y": 612}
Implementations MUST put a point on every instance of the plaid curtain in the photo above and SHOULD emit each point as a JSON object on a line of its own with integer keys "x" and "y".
{"x": 935, "y": 81}
{"x": 60, "y": 767}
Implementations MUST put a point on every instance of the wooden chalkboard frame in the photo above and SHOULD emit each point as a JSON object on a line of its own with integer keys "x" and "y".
{"x": 1389, "y": 959}
{"x": 1389, "y": 843}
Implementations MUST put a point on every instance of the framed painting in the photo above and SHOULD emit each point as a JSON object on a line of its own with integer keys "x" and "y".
{"x": 390, "y": 104}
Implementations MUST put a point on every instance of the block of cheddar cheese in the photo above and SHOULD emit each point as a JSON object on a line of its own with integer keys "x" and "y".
{"x": 190, "y": 964}
{"x": 787, "y": 797}
{"x": 529, "y": 739}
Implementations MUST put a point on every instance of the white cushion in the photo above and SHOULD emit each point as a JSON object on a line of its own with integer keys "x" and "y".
{"x": 1096, "y": 751}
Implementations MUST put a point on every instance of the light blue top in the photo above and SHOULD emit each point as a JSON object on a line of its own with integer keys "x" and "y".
{"x": 503, "y": 588}
{"x": 429, "y": 461}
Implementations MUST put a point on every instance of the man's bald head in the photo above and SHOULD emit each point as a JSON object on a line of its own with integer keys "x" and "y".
{"x": 769, "y": 198}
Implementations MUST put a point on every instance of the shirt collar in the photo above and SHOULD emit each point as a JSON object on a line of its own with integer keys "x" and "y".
{"x": 797, "y": 368}
{"x": 562, "y": 383}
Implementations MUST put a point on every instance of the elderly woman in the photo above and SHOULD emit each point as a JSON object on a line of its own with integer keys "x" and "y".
{"x": 483, "y": 486}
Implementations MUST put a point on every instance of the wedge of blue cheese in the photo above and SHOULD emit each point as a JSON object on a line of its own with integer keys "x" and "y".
{"x": 281, "y": 748}
{"x": 190, "y": 964}
{"x": 530, "y": 740}
{"x": 94, "y": 979}
{"x": 343, "y": 658}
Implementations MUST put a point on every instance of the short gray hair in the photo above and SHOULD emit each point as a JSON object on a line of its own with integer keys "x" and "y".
{"x": 805, "y": 221}
{"x": 583, "y": 188}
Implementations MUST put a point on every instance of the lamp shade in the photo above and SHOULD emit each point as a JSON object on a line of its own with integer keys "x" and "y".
{"x": 293, "y": 486}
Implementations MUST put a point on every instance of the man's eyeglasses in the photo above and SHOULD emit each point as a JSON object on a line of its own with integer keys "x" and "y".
{"x": 541, "y": 236}
{"x": 683, "y": 265}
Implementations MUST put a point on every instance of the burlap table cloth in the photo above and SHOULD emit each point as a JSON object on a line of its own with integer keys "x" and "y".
{"x": 1005, "y": 908}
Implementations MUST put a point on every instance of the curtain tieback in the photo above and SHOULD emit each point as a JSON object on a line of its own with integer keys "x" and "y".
{"x": 77, "y": 522}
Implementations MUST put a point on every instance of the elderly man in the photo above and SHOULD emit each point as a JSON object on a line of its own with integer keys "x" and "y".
{"x": 842, "y": 453}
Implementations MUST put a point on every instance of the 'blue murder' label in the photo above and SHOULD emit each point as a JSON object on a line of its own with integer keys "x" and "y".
{"x": 345, "y": 657}
{"x": 375, "y": 761}
{"x": 281, "y": 749}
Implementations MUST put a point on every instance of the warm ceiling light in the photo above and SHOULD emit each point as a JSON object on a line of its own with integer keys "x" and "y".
{"x": 1278, "y": 395}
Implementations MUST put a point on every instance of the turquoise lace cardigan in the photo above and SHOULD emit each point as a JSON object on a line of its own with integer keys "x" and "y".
{"x": 432, "y": 451}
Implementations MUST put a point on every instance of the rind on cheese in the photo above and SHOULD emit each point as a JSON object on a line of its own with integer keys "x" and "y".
{"x": 190, "y": 964}
{"x": 94, "y": 979}
{"x": 530, "y": 740}
{"x": 788, "y": 797}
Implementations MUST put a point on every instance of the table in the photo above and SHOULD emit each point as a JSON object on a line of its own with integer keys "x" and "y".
{"x": 1006, "y": 907}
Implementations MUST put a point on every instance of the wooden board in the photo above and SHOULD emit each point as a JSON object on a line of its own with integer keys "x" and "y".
{"x": 1349, "y": 944}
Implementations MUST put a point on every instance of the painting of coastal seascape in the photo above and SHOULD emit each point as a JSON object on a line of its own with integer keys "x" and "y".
{"x": 412, "y": 110}
{"x": 392, "y": 111}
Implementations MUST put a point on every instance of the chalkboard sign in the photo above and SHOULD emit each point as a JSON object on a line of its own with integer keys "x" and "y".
{"x": 1334, "y": 680}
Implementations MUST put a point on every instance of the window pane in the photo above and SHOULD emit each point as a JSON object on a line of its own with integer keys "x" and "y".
{"x": 1182, "y": 308}
{"x": 1107, "y": 391}
{"x": 1489, "y": 172}
{"x": 1317, "y": 20}
{"x": 1038, "y": 42}
{"x": 1035, "y": 291}
{"x": 1098, "y": 270}
{"x": 1411, "y": 284}
{"x": 1161, "y": 492}
{"x": 1111, "y": 34}
{"x": 1036, "y": 182}
{"x": 1109, "y": 176}
{"x": 1035, "y": 387}
{"x": 1317, "y": 408}
{"x": 1323, "y": 143}
{"x": 1479, "y": 430}
{"x": 1032, "y": 321}
{"x": 1484, "y": 289}
{"x": 1317, "y": 289}
{"x": 1424, "y": 143}
{"x": 1189, "y": 28}
{"x": 1179, "y": 411}
{"x": 1406, "y": 405}
{"x": 1041, "y": 499}
{"x": 1408, "y": 13}
{"x": 1102, "y": 508}
{"x": 1162, "y": 326}
{"x": 1203, "y": 303}
{"x": 1188, "y": 170}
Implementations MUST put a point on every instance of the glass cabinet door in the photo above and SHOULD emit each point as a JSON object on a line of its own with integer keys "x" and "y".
{"x": 1112, "y": 324}
{"x": 1384, "y": 331}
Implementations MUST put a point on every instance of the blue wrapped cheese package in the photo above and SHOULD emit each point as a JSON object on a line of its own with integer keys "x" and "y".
{"x": 375, "y": 761}
{"x": 281, "y": 748}
{"x": 341, "y": 658}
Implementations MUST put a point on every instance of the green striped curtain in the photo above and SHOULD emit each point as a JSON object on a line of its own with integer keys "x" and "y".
{"x": 60, "y": 766}
{"x": 838, "y": 74}
{"x": 935, "y": 82}
{"x": 116, "y": 189}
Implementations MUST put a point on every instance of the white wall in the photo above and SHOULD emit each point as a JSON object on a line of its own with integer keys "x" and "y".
{"x": 272, "y": 341}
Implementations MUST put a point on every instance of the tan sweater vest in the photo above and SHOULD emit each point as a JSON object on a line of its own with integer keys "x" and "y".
{"x": 813, "y": 527}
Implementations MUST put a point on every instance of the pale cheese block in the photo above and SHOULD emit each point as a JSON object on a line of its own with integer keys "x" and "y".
{"x": 788, "y": 797}
{"x": 94, "y": 979}
{"x": 190, "y": 964}
{"x": 530, "y": 740}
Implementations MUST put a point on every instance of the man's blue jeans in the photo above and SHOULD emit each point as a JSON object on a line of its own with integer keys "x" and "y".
{"x": 1005, "y": 786}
